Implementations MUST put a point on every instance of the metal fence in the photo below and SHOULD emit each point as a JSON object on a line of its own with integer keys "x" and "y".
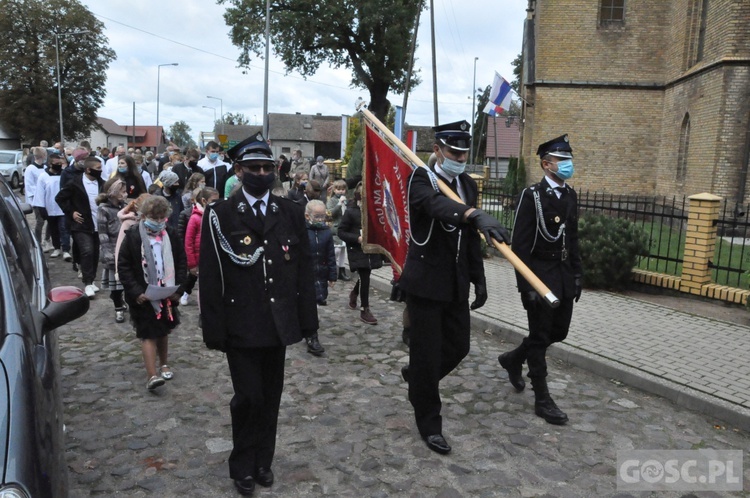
{"x": 664, "y": 219}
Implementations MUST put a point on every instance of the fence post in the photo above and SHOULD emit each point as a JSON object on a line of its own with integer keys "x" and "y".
{"x": 700, "y": 241}
{"x": 480, "y": 187}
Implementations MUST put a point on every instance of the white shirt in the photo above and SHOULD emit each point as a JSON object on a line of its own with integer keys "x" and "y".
{"x": 252, "y": 200}
{"x": 205, "y": 164}
{"x": 447, "y": 175}
{"x": 30, "y": 178}
{"x": 47, "y": 188}
{"x": 552, "y": 183}
{"x": 109, "y": 167}
{"x": 92, "y": 189}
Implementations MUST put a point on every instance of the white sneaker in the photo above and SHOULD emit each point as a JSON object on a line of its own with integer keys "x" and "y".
{"x": 46, "y": 246}
{"x": 96, "y": 289}
{"x": 184, "y": 299}
{"x": 67, "y": 256}
{"x": 55, "y": 253}
{"x": 80, "y": 274}
{"x": 89, "y": 290}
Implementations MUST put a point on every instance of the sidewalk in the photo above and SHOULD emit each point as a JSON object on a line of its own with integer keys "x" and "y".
{"x": 699, "y": 363}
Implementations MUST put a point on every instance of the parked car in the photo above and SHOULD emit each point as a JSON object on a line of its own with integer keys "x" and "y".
{"x": 32, "y": 445}
{"x": 11, "y": 166}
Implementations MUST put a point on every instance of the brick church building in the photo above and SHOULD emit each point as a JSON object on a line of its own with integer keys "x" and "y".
{"x": 655, "y": 95}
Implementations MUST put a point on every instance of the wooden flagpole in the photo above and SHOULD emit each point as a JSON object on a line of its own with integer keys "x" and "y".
{"x": 504, "y": 249}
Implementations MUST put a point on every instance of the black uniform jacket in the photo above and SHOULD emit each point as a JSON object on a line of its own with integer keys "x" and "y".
{"x": 555, "y": 263}
{"x": 349, "y": 231}
{"x": 442, "y": 268}
{"x": 270, "y": 303}
{"x": 73, "y": 198}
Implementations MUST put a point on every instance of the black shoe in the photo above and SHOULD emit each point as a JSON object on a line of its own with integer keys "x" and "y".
{"x": 264, "y": 477}
{"x": 438, "y": 444}
{"x": 245, "y": 486}
{"x": 548, "y": 410}
{"x": 515, "y": 371}
{"x": 343, "y": 276}
{"x": 405, "y": 373}
{"x": 313, "y": 346}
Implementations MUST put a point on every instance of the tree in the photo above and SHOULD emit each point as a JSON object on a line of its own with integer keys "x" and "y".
{"x": 479, "y": 127}
{"x": 28, "y": 76}
{"x": 179, "y": 133}
{"x": 517, "y": 70}
{"x": 231, "y": 119}
{"x": 369, "y": 37}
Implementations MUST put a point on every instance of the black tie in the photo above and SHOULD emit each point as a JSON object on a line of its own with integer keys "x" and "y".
{"x": 258, "y": 211}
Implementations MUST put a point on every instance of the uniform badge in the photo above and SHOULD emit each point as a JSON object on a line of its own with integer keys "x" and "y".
{"x": 241, "y": 207}
{"x": 557, "y": 219}
{"x": 286, "y": 252}
{"x": 247, "y": 240}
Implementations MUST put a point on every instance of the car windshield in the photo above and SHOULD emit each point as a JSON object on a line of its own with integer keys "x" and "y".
{"x": 7, "y": 157}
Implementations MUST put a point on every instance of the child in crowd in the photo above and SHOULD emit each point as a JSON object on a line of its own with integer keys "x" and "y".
{"x": 110, "y": 202}
{"x": 336, "y": 206}
{"x": 196, "y": 180}
{"x": 151, "y": 257}
{"x": 203, "y": 197}
{"x": 350, "y": 231}
{"x": 324, "y": 260}
{"x": 48, "y": 186}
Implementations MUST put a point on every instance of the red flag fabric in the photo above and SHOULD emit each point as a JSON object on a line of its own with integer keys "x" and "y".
{"x": 385, "y": 220}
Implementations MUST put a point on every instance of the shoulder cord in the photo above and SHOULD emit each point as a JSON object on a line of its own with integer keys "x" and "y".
{"x": 433, "y": 181}
{"x": 227, "y": 248}
{"x": 543, "y": 226}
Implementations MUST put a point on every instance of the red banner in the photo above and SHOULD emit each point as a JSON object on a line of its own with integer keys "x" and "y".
{"x": 385, "y": 220}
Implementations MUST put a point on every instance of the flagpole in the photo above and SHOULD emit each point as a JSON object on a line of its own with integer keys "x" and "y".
{"x": 504, "y": 249}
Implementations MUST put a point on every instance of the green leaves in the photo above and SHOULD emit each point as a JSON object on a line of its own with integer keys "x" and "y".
{"x": 610, "y": 248}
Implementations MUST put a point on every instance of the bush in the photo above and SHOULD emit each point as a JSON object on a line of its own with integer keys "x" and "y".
{"x": 610, "y": 248}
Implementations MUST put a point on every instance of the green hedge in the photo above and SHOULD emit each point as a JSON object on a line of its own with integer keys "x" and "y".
{"x": 610, "y": 248}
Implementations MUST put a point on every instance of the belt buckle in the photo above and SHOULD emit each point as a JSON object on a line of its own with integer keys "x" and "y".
{"x": 564, "y": 255}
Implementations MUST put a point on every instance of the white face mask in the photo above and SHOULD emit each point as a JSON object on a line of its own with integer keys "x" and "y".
{"x": 452, "y": 167}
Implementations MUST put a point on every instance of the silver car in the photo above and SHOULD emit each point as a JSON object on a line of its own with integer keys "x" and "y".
{"x": 11, "y": 167}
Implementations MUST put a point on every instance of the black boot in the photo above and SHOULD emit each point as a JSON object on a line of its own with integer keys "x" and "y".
{"x": 353, "y": 296}
{"x": 510, "y": 363}
{"x": 313, "y": 345}
{"x": 343, "y": 276}
{"x": 544, "y": 406}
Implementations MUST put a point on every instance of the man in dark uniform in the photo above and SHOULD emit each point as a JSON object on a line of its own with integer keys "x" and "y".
{"x": 444, "y": 258}
{"x": 257, "y": 297}
{"x": 545, "y": 237}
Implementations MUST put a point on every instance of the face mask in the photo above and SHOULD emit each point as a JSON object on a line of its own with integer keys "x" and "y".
{"x": 565, "y": 169}
{"x": 257, "y": 185}
{"x": 318, "y": 224}
{"x": 302, "y": 185}
{"x": 56, "y": 151}
{"x": 154, "y": 226}
{"x": 192, "y": 164}
{"x": 70, "y": 159}
{"x": 452, "y": 167}
{"x": 96, "y": 173}
{"x": 122, "y": 170}
{"x": 213, "y": 156}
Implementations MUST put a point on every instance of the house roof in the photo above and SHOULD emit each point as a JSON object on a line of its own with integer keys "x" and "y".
{"x": 110, "y": 127}
{"x": 304, "y": 127}
{"x": 150, "y": 135}
{"x": 508, "y": 139}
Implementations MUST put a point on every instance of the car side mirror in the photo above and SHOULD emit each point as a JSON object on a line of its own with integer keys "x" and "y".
{"x": 64, "y": 305}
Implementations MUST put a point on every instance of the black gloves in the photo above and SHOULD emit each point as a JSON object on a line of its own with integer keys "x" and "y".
{"x": 480, "y": 291}
{"x": 579, "y": 287}
{"x": 489, "y": 226}
{"x": 530, "y": 299}
{"x": 397, "y": 293}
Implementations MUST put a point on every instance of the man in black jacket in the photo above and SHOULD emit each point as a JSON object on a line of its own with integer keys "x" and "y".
{"x": 257, "y": 297}
{"x": 78, "y": 201}
{"x": 444, "y": 258}
{"x": 545, "y": 237}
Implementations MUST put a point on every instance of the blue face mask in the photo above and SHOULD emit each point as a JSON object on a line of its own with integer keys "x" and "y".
{"x": 452, "y": 167}
{"x": 122, "y": 170}
{"x": 213, "y": 156}
{"x": 565, "y": 169}
{"x": 70, "y": 159}
{"x": 154, "y": 226}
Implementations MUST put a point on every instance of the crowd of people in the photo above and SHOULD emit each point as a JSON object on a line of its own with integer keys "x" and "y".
{"x": 264, "y": 240}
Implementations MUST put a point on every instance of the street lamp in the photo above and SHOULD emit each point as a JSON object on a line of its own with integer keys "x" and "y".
{"x": 221, "y": 105}
{"x": 214, "y": 108}
{"x": 158, "y": 84}
{"x": 59, "y": 90}
{"x": 473, "y": 110}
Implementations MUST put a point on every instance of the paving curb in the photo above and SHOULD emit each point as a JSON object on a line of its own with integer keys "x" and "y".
{"x": 681, "y": 395}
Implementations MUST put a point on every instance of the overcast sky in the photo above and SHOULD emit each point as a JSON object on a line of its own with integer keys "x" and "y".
{"x": 193, "y": 34}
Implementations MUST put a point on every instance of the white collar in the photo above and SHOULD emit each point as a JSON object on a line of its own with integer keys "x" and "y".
{"x": 252, "y": 199}
{"x": 552, "y": 183}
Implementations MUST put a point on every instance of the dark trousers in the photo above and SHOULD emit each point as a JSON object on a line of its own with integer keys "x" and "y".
{"x": 546, "y": 326}
{"x": 88, "y": 252}
{"x": 65, "y": 237}
{"x": 362, "y": 287}
{"x": 56, "y": 224}
{"x": 439, "y": 340}
{"x": 40, "y": 215}
{"x": 190, "y": 283}
{"x": 258, "y": 380}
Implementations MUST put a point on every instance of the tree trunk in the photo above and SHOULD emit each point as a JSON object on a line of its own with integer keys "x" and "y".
{"x": 379, "y": 104}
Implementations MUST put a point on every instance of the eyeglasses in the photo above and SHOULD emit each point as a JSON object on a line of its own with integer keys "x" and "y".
{"x": 256, "y": 167}
{"x": 318, "y": 217}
